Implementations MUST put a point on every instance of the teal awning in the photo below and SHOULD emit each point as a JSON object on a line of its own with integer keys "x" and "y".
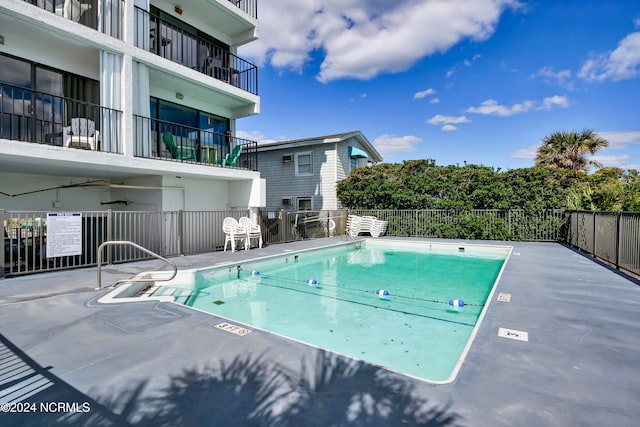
{"x": 356, "y": 152}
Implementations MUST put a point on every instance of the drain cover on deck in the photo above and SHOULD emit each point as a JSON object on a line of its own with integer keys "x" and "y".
{"x": 228, "y": 327}
{"x": 513, "y": 334}
{"x": 504, "y": 297}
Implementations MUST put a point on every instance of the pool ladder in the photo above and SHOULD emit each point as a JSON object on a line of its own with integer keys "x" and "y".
{"x": 141, "y": 279}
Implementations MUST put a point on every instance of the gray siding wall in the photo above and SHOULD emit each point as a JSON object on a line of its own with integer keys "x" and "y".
{"x": 331, "y": 163}
{"x": 343, "y": 167}
{"x": 282, "y": 181}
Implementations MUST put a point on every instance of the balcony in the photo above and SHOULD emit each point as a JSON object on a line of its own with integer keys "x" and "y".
{"x": 37, "y": 117}
{"x": 161, "y": 139}
{"x": 248, "y": 6}
{"x": 181, "y": 46}
{"x": 105, "y": 16}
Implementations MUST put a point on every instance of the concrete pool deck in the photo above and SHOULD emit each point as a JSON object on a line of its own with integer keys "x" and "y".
{"x": 75, "y": 361}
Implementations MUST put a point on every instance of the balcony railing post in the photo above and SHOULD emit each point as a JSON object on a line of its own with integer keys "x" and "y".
{"x": 110, "y": 235}
{"x": 180, "y": 231}
{"x": 3, "y": 217}
{"x": 617, "y": 240}
{"x": 594, "y": 235}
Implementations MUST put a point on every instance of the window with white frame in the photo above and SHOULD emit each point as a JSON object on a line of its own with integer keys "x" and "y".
{"x": 304, "y": 163}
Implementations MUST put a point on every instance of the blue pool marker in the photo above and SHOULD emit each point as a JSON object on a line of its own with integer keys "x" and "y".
{"x": 382, "y": 292}
{"x": 456, "y": 303}
{"x": 255, "y": 273}
{"x": 312, "y": 282}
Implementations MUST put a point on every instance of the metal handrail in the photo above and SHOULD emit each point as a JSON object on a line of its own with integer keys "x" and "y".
{"x": 137, "y": 246}
{"x": 193, "y": 140}
{"x": 40, "y": 117}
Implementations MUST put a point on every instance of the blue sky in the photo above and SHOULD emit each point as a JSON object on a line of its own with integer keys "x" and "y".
{"x": 476, "y": 81}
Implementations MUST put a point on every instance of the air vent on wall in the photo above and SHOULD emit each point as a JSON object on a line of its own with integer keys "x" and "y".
{"x": 287, "y": 158}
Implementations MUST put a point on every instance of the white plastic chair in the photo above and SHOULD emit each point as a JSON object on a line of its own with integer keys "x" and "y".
{"x": 72, "y": 9}
{"x": 233, "y": 232}
{"x": 82, "y": 133}
{"x": 378, "y": 228}
{"x": 353, "y": 225}
{"x": 253, "y": 231}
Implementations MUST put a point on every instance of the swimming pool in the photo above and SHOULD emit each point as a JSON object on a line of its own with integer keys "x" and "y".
{"x": 390, "y": 303}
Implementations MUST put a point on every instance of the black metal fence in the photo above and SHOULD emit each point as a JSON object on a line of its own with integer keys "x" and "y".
{"x": 161, "y": 139}
{"x": 180, "y": 45}
{"x": 33, "y": 116}
{"x": 485, "y": 224}
{"x": 248, "y": 6}
{"x": 611, "y": 237}
{"x": 105, "y": 16}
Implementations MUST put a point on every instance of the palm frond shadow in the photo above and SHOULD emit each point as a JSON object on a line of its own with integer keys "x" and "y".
{"x": 327, "y": 390}
{"x": 334, "y": 390}
{"x": 38, "y": 392}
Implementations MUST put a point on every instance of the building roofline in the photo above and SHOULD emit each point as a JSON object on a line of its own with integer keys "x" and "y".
{"x": 324, "y": 139}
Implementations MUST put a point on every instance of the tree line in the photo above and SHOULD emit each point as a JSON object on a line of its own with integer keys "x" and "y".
{"x": 558, "y": 180}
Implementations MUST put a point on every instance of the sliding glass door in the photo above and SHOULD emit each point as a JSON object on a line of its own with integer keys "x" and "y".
{"x": 36, "y": 102}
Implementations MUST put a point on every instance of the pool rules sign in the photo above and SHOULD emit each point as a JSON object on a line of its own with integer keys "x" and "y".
{"x": 64, "y": 234}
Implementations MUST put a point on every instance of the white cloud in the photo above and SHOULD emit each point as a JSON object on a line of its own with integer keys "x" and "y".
{"x": 254, "y": 136}
{"x": 466, "y": 63}
{"x": 548, "y": 74}
{"x": 389, "y": 145}
{"x": 364, "y": 38}
{"x": 491, "y": 106}
{"x": 620, "y": 161}
{"x": 424, "y": 93}
{"x": 435, "y": 101}
{"x": 619, "y": 140}
{"x": 525, "y": 153}
{"x": 440, "y": 119}
{"x": 448, "y": 122}
{"x": 620, "y": 64}
{"x": 554, "y": 101}
{"x": 469, "y": 62}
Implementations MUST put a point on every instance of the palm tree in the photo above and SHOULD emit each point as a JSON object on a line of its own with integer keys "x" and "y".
{"x": 568, "y": 150}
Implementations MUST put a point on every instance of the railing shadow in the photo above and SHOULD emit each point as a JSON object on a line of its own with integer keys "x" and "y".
{"x": 31, "y": 395}
{"x": 330, "y": 390}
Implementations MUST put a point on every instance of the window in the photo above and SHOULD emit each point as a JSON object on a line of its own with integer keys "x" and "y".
{"x": 191, "y": 126}
{"x": 304, "y": 204}
{"x": 39, "y": 115}
{"x": 354, "y": 155}
{"x": 304, "y": 163}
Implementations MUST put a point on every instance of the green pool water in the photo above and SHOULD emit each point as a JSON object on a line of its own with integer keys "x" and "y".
{"x": 412, "y": 330}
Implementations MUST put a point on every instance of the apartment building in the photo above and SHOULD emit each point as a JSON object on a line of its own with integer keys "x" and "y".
{"x": 129, "y": 105}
